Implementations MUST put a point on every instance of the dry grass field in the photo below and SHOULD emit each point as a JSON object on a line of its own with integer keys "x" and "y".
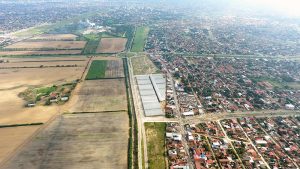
{"x": 81, "y": 141}
{"x": 50, "y": 52}
{"x": 55, "y": 37}
{"x": 47, "y": 45}
{"x": 114, "y": 69}
{"x": 101, "y": 95}
{"x": 143, "y": 65}
{"x": 12, "y": 137}
{"x": 44, "y": 61}
{"x": 112, "y": 45}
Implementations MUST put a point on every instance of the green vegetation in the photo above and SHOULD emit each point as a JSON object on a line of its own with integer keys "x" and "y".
{"x": 155, "y": 133}
{"x": 97, "y": 70}
{"x": 92, "y": 42}
{"x": 45, "y": 90}
{"x": 140, "y": 39}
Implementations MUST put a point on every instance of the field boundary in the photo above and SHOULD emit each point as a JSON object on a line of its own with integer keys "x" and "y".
{"x": 20, "y": 125}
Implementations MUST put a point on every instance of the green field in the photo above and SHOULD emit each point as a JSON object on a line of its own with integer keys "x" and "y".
{"x": 140, "y": 39}
{"x": 155, "y": 133}
{"x": 97, "y": 70}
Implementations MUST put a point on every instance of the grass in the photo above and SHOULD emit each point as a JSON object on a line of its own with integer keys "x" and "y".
{"x": 140, "y": 39}
{"x": 143, "y": 65}
{"x": 155, "y": 133}
{"x": 45, "y": 90}
{"x": 97, "y": 70}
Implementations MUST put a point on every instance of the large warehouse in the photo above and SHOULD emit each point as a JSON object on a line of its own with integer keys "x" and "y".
{"x": 152, "y": 91}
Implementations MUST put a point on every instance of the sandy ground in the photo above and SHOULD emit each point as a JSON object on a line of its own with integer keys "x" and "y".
{"x": 55, "y": 37}
{"x": 48, "y": 45}
{"x": 14, "y": 136}
{"x": 111, "y": 45}
{"x": 12, "y": 78}
{"x": 101, "y": 95}
{"x": 50, "y": 52}
{"x": 80, "y": 141}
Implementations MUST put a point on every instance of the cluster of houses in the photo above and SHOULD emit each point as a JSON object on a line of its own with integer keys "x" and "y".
{"x": 274, "y": 154}
{"x": 230, "y": 85}
{"x": 210, "y": 151}
{"x": 285, "y": 132}
{"x": 250, "y": 143}
{"x": 177, "y": 155}
{"x": 225, "y": 36}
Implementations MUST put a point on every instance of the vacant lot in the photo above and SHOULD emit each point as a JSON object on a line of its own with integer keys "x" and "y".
{"x": 101, "y": 95}
{"x": 48, "y": 45}
{"x": 140, "y": 38}
{"x": 80, "y": 141}
{"x": 155, "y": 133}
{"x": 112, "y": 45}
{"x": 114, "y": 69}
{"x": 12, "y": 137}
{"x": 55, "y": 37}
{"x": 143, "y": 65}
{"x": 97, "y": 70}
{"x": 39, "y": 52}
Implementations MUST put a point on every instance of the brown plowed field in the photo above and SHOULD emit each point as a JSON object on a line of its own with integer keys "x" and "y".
{"x": 112, "y": 45}
{"x": 78, "y": 141}
{"x": 47, "y": 45}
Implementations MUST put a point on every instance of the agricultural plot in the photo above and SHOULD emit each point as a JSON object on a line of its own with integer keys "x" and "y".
{"x": 105, "y": 69}
{"x": 114, "y": 69}
{"x": 97, "y": 70}
{"x": 39, "y": 52}
{"x": 155, "y": 133}
{"x": 101, "y": 95}
{"x": 140, "y": 39}
{"x": 12, "y": 137}
{"x": 55, "y": 37}
{"x": 46, "y": 45}
{"x": 97, "y": 140}
{"x": 112, "y": 45}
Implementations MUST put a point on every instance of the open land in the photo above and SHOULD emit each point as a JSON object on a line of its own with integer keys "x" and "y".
{"x": 101, "y": 69}
{"x": 40, "y": 52}
{"x": 140, "y": 39}
{"x": 101, "y": 95}
{"x": 143, "y": 65}
{"x": 48, "y": 45}
{"x": 112, "y": 45}
{"x": 12, "y": 137}
{"x": 155, "y": 134}
{"x": 43, "y": 62}
{"x": 78, "y": 141}
{"x": 55, "y": 37}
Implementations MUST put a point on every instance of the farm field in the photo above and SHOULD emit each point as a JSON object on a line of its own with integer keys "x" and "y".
{"x": 55, "y": 37}
{"x": 155, "y": 134}
{"x": 143, "y": 65}
{"x": 16, "y": 80}
{"x": 114, "y": 69}
{"x": 101, "y": 95}
{"x": 78, "y": 141}
{"x": 12, "y": 137}
{"x": 39, "y": 52}
{"x": 112, "y": 45}
{"x": 44, "y": 61}
{"x": 47, "y": 45}
{"x": 140, "y": 39}
{"x": 102, "y": 69}
{"x": 97, "y": 70}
